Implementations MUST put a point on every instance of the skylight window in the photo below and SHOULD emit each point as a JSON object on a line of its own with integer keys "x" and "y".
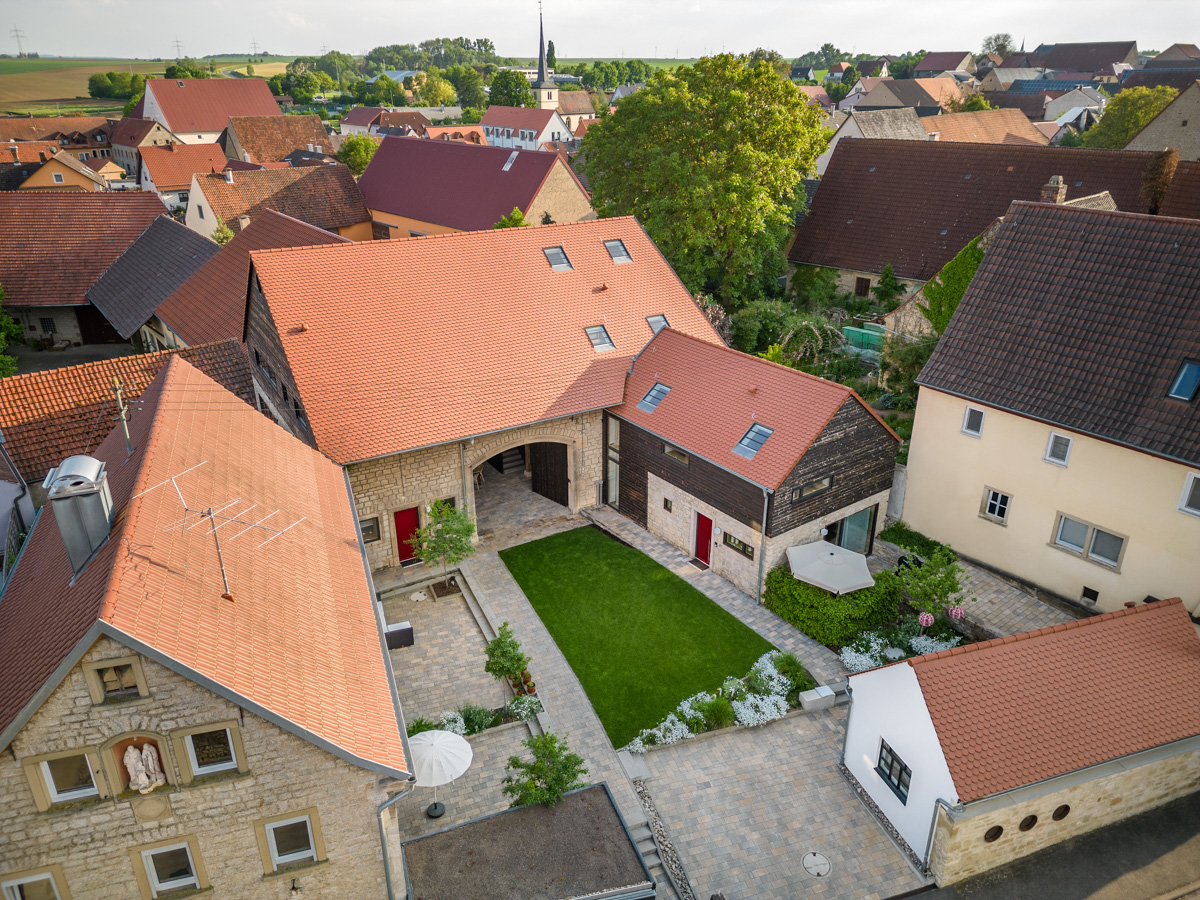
{"x": 657, "y": 323}
{"x": 616, "y": 249}
{"x": 753, "y": 440}
{"x": 1186, "y": 382}
{"x": 557, "y": 258}
{"x": 598, "y": 335}
{"x": 653, "y": 397}
{"x": 512, "y": 158}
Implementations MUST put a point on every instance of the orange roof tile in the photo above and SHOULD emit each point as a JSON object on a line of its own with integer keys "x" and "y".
{"x": 490, "y": 336}
{"x": 1021, "y": 709}
{"x": 990, "y": 126}
{"x": 211, "y": 305}
{"x": 325, "y": 196}
{"x": 48, "y": 416}
{"x": 795, "y": 405}
{"x": 173, "y": 165}
{"x": 467, "y": 134}
{"x": 517, "y": 117}
{"x": 192, "y": 105}
{"x": 41, "y": 128}
{"x": 42, "y": 229}
{"x": 315, "y": 667}
{"x": 27, "y": 151}
{"x": 271, "y": 138}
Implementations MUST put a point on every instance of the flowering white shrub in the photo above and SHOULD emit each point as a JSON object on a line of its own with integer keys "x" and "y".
{"x": 865, "y": 653}
{"x": 733, "y": 688}
{"x": 688, "y": 713}
{"x": 757, "y": 709}
{"x": 768, "y": 675}
{"x": 524, "y": 707}
{"x": 453, "y": 722}
{"x": 924, "y": 643}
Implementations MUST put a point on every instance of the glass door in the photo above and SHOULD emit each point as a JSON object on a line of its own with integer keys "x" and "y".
{"x": 855, "y": 532}
{"x": 612, "y": 474}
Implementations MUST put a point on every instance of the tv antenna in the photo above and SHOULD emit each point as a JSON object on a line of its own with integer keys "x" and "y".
{"x": 178, "y": 45}
{"x": 236, "y": 513}
{"x": 19, "y": 35}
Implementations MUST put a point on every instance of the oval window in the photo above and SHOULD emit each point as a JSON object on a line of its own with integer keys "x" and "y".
{"x": 993, "y": 834}
{"x": 1061, "y": 813}
{"x": 1028, "y": 822}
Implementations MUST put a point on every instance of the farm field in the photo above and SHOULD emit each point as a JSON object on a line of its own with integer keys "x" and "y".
{"x": 654, "y": 63}
{"x": 261, "y": 70}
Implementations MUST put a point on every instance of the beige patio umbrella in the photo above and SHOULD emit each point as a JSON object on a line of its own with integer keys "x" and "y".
{"x": 438, "y": 757}
{"x": 830, "y": 567}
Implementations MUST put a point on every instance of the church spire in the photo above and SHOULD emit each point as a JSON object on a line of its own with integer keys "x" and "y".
{"x": 542, "y": 81}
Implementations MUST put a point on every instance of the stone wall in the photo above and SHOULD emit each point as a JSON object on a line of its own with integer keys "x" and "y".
{"x": 383, "y": 487}
{"x": 91, "y": 839}
{"x": 562, "y": 197}
{"x": 960, "y": 851}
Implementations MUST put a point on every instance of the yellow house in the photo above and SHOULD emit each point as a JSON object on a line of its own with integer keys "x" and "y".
{"x": 1057, "y": 435}
{"x": 63, "y": 172}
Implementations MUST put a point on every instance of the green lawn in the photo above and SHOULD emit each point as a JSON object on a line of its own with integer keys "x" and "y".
{"x": 639, "y": 637}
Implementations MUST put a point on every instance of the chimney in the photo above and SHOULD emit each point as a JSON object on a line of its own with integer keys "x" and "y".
{"x": 1055, "y": 190}
{"x": 229, "y": 176}
{"x": 245, "y": 156}
{"x": 171, "y": 147}
{"x": 935, "y": 136}
{"x": 310, "y": 148}
{"x": 243, "y": 221}
{"x": 82, "y": 504}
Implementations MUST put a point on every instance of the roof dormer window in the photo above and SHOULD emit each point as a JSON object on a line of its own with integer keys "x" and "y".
{"x": 1186, "y": 381}
{"x": 557, "y": 257}
{"x": 653, "y": 397}
{"x": 657, "y": 323}
{"x": 616, "y": 249}
{"x": 598, "y": 335}
{"x": 753, "y": 440}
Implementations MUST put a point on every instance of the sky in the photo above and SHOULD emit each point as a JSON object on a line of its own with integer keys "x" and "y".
{"x": 615, "y": 28}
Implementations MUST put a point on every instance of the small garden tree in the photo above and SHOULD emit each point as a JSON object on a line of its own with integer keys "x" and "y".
{"x": 937, "y": 585}
{"x": 554, "y": 770}
{"x": 515, "y": 219}
{"x": 887, "y": 288}
{"x": 222, "y": 233}
{"x": 446, "y": 536}
{"x": 505, "y": 661}
{"x": 356, "y": 152}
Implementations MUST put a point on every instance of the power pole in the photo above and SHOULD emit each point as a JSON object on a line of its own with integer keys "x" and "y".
{"x": 19, "y": 35}
{"x": 254, "y": 48}
{"x": 178, "y": 44}
{"x": 121, "y": 414}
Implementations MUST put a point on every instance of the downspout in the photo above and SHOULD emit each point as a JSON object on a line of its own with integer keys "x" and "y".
{"x": 762, "y": 544}
{"x": 462, "y": 458}
{"x": 933, "y": 830}
{"x": 387, "y": 869}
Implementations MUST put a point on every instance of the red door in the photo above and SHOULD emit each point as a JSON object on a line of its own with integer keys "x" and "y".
{"x": 407, "y": 523}
{"x": 703, "y": 537}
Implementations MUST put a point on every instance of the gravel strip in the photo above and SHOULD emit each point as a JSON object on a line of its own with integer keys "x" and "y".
{"x": 883, "y": 820}
{"x": 666, "y": 850}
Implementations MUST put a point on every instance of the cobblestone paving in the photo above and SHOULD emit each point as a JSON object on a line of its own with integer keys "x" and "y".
{"x": 1000, "y": 608}
{"x": 447, "y": 653}
{"x": 509, "y": 513}
{"x": 823, "y": 663}
{"x": 743, "y": 809}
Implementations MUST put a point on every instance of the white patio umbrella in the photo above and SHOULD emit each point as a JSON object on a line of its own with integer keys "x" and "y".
{"x": 830, "y": 567}
{"x": 438, "y": 757}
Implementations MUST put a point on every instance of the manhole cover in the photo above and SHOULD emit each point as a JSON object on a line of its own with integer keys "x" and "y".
{"x": 816, "y": 865}
{"x": 419, "y": 596}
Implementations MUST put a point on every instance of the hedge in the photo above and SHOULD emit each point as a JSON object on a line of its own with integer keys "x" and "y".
{"x": 834, "y": 621}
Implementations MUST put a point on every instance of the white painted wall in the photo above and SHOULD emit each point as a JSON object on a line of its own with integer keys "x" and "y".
{"x": 887, "y": 705}
{"x": 848, "y": 128}
{"x": 151, "y": 110}
{"x": 200, "y": 217}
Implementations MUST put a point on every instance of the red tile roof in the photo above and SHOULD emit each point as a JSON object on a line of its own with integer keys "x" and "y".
{"x": 457, "y": 185}
{"x": 991, "y": 126}
{"x": 130, "y": 132}
{"x": 192, "y": 105}
{"x": 816, "y": 95}
{"x": 1183, "y": 196}
{"x": 943, "y": 195}
{"x": 325, "y": 196}
{"x": 316, "y": 666}
{"x": 54, "y": 244}
{"x": 575, "y": 103}
{"x": 947, "y": 61}
{"x": 490, "y": 337}
{"x": 517, "y": 117}
{"x": 211, "y": 305}
{"x": 48, "y": 416}
{"x": 467, "y": 134}
{"x": 583, "y": 126}
{"x": 271, "y": 138}
{"x": 362, "y": 116}
{"x": 173, "y": 165}
{"x": 414, "y": 120}
{"x": 1090, "y": 57}
{"x": 748, "y": 390}
{"x": 27, "y": 152}
{"x": 40, "y": 128}
{"x": 1020, "y": 709}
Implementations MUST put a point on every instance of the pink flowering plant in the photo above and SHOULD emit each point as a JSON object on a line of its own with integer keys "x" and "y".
{"x": 934, "y": 588}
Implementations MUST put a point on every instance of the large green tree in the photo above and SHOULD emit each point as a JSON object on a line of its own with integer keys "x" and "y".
{"x": 510, "y": 88}
{"x": 1126, "y": 115}
{"x": 356, "y": 152}
{"x": 710, "y": 158}
{"x": 1001, "y": 43}
{"x": 10, "y": 333}
{"x": 468, "y": 85}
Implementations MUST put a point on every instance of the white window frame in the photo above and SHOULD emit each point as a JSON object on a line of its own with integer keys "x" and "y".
{"x": 966, "y": 417}
{"x": 987, "y": 502}
{"x": 1087, "y": 551}
{"x": 1093, "y": 555}
{"x": 155, "y": 885}
{"x": 7, "y": 888}
{"x": 309, "y": 854}
{"x": 1188, "y": 482}
{"x": 197, "y": 769}
{"x": 1050, "y": 445}
{"x": 58, "y": 178}
{"x": 1059, "y": 542}
{"x": 78, "y": 794}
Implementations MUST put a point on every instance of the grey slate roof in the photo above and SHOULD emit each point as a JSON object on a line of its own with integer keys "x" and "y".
{"x": 898, "y": 124}
{"x": 1082, "y": 319}
{"x": 165, "y": 256}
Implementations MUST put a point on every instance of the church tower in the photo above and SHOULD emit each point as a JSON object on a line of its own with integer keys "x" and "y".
{"x": 545, "y": 91}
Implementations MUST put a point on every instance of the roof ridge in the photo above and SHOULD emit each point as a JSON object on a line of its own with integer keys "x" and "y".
{"x": 1042, "y": 632}
{"x": 94, "y": 364}
{"x": 1102, "y": 213}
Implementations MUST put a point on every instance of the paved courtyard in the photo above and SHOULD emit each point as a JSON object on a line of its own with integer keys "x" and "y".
{"x": 744, "y": 807}
{"x": 508, "y": 512}
{"x": 444, "y": 667}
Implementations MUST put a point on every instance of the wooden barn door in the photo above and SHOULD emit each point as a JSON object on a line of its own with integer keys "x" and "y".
{"x": 549, "y": 476}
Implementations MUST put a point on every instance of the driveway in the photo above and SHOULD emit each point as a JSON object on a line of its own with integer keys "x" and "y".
{"x": 743, "y": 808}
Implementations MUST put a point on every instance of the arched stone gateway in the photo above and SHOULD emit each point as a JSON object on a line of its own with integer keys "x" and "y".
{"x": 551, "y": 461}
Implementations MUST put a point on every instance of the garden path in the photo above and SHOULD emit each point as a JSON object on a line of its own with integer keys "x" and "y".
{"x": 999, "y": 609}
{"x": 743, "y": 809}
{"x": 821, "y": 662}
